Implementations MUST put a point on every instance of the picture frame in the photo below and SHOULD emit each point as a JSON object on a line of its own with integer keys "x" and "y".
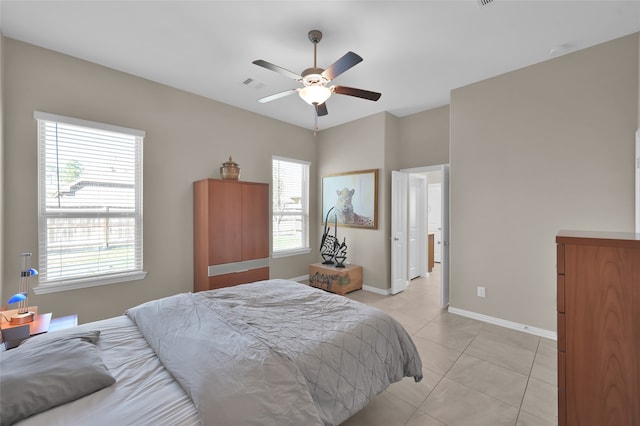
{"x": 353, "y": 197}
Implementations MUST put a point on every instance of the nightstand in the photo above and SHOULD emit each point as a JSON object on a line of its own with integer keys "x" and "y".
{"x": 40, "y": 323}
{"x": 12, "y": 335}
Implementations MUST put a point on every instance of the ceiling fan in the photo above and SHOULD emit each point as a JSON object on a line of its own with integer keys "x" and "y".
{"x": 315, "y": 91}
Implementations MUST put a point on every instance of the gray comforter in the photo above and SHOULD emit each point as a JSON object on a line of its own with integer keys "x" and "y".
{"x": 276, "y": 352}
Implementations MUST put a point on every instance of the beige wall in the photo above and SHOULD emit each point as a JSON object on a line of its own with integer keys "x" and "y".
{"x": 358, "y": 145}
{"x": 1, "y": 162}
{"x": 534, "y": 151}
{"x": 187, "y": 137}
{"x": 424, "y": 138}
{"x": 385, "y": 142}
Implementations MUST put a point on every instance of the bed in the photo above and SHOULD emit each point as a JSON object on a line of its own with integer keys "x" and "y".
{"x": 273, "y": 352}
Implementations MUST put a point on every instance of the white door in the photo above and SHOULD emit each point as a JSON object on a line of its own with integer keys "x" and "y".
{"x": 416, "y": 227}
{"x": 399, "y": 269}
{"x": 435, "y": 219}
{"x": 444, "y": 264}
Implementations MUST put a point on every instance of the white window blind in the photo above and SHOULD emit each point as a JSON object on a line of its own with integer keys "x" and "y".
{"x": 290, "y": 210}
{"x": 89, "y": 203}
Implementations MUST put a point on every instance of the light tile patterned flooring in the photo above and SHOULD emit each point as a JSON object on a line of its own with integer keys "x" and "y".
{"x": 475, "y": 373}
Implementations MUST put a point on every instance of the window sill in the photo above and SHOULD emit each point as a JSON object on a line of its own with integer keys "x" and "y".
{"x": 55, "y": 287}
{"x": 291, "y": 253}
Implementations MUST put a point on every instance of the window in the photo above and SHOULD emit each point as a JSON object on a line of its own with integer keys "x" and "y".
{"x": 290, "y": 207}
{"x": 89, "y": 203}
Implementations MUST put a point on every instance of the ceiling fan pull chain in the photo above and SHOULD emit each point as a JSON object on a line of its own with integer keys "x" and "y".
{"x": 315, "y": 127}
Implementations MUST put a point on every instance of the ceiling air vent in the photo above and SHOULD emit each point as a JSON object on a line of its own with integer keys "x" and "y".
{"x": 484, "y": 2}
{"x": 250, "y": 82}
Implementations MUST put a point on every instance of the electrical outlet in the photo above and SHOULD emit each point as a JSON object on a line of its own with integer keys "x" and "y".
{"x": 481, "y": 292}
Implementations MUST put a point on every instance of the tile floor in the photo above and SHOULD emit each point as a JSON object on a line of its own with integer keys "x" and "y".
{"x": 474, "y": 373}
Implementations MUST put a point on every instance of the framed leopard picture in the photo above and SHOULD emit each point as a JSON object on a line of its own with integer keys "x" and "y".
{"x": 353, "y": 197}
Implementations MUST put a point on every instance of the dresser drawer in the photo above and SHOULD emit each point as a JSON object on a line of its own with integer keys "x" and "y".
{"x": 235, "y": 278}
{"x": 562, "y": 344}
{"x": 560, "y": 290}
{"x": 560, "y": 258}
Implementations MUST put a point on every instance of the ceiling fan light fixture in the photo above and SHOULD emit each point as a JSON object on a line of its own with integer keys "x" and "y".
{"x": 315, "y": 95}
{"x": 315, "y": 91}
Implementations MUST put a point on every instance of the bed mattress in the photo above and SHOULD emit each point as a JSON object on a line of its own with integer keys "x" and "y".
{"x": 274, "y": 352}
{"x": 145, "y": 393}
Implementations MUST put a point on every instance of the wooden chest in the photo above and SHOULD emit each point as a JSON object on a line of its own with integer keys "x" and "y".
{"x": 336, "y": 280}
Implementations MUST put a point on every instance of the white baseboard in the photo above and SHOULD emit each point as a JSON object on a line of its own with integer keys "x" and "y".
{"x": 300, "y": 278}
{"x": 376, "y": 290}
{"x": 548, "y": 334}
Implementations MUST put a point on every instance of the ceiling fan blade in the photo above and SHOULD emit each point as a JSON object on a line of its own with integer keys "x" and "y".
{"x": 277, "y": 96}
{"x": 341, "y": 65}
{"x": 358, "y": 93}
{"x": 279, "y": 70}
{"x": 321, "y": 109}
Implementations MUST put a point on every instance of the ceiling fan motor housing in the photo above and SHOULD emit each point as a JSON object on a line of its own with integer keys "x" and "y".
{"x": 315, "y": 91}
{"x": 313, "y": 77}
{"x": 315, "y": 36}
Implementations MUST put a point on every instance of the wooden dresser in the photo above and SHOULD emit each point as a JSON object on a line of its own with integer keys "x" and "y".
{"x": 598, "y": 284}
{"x": 230, "y": 233}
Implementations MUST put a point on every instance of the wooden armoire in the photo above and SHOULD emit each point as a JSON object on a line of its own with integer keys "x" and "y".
{"x": 230, "y": 233}
{"x": 598, "y": 285}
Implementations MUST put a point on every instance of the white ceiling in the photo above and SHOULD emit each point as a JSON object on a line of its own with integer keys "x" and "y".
{"x": 414, "y": 52}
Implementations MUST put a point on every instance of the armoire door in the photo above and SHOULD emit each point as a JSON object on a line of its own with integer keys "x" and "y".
{"x": 255, "y": 221}
{"x": 225, "y": 222}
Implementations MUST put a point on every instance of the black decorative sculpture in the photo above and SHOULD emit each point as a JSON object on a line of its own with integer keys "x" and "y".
{"x": 341, "y": 254}
{"x": 329, "y": 244}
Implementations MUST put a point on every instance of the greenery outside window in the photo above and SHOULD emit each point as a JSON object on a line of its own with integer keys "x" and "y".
{"x": 89, "y": 203}
{"x": 290, "y": 207}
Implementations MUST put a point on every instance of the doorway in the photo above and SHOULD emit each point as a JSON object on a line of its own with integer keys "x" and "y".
{"x": 427, "y": 211}
{"x": 434, "y": 212}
